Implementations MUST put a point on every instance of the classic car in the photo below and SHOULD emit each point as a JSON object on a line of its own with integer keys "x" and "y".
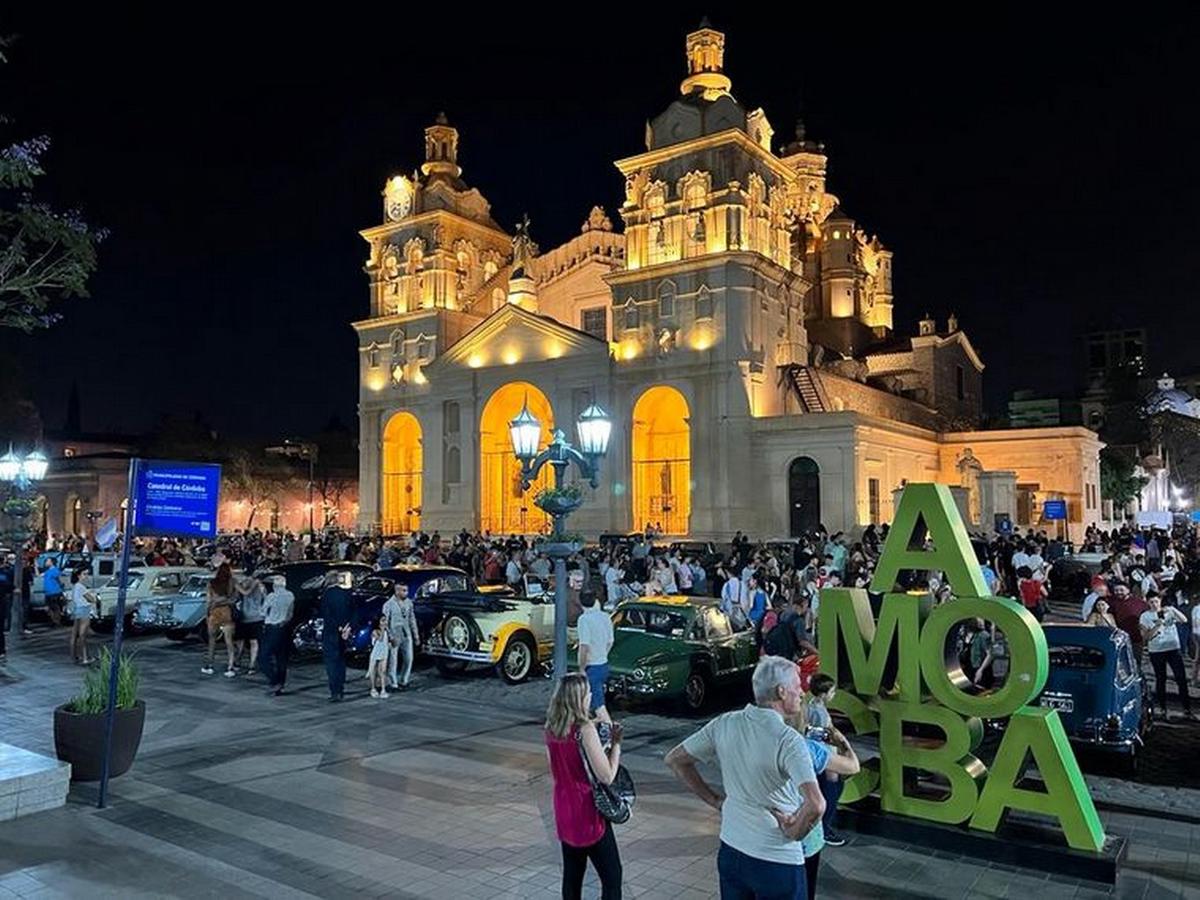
{"x": 1097, "y": 688}
{"x": 179, "y": 615}
{"x": 371, "y": 592}
{"x": 98, "y": 569}
{"x": 677, "y": 648}
{"x": 145, "y": 584}
{"x": 306, "y": 579}
{"x": 493, "y": 626}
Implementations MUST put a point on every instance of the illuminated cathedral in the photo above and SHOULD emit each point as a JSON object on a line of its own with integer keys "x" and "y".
{"x": 735, "y": 322}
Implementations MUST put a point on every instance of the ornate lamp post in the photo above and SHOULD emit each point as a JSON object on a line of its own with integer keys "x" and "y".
{"x": 21, "y": 474}
{"x": 594, "y": 427}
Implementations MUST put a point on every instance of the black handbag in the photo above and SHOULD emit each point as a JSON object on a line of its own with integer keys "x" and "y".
{"x": 613, "y": 801}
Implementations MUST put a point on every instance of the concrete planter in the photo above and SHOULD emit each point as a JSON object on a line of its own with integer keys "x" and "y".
{"x": 79, "y": 740}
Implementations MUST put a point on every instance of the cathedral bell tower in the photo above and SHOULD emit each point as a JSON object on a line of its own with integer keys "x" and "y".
{"x": 706, "y": 63}
{"x": 441, "y": 149}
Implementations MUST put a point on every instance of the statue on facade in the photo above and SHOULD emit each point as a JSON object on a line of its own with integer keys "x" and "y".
{"x": 523, "y": 250}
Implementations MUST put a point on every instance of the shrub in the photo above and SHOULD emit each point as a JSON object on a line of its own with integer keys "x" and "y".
{"x": 94, "y": 696}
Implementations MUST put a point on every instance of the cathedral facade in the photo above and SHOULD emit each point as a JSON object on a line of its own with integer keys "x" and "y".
{"x": 737, "y": 327}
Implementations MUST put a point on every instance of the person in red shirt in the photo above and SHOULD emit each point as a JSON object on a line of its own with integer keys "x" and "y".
{"x": 1033, "y": 592}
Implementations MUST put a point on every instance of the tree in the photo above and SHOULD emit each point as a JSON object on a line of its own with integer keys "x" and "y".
{"x": 45, "y": 256}
{"x": 257, "y": 481}
{"x": 1118, "y": 482}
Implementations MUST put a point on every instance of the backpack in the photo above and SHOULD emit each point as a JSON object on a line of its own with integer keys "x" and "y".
{"x": 781, "y": 640}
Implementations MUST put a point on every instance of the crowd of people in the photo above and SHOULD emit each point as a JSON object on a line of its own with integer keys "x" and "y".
{"x": 776, "y": 818}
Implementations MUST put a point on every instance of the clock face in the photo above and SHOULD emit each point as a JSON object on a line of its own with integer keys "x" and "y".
{"x": 398, "y": 198}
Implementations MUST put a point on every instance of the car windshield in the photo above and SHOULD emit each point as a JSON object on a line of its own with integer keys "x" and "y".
{"x": 197, "y": 584}
{"x": 652, "y": 621}
{"x": 135, "y": 578}
{"x": 1076, "y": 658}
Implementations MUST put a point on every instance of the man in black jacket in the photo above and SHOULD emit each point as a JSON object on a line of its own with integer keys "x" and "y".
{"x": 335, "y": 611}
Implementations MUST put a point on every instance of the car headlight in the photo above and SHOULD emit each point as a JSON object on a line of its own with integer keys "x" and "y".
{"x": 638, "y": 674}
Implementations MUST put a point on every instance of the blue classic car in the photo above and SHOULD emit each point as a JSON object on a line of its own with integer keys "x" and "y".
{"x": 1097, "y": 688}
{"x": 368, "y": 596}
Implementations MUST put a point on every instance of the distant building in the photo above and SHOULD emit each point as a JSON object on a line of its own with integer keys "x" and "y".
{"x": 1027, "y": 410}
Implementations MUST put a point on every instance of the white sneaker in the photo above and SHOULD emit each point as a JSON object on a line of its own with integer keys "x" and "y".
{"x": 206, "y": 670}
{"x": 383, "y": 693}
{"x": 230, "y": 673}
{"x": 374, "y": 693}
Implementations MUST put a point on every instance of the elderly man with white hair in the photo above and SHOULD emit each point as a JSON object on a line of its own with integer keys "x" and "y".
{"x": 771, "y": 799}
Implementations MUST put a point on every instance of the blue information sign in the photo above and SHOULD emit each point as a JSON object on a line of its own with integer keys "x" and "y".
{"x": 176, "y": 499}
{"x": 1196, "y": 515}
{"x": 1054, "y": 509}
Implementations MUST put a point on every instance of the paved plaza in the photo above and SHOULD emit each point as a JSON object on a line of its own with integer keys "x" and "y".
{"x": 440, "y": 792}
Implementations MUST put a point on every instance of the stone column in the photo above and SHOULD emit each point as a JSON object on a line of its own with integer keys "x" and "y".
{"x": 997, "y": 495}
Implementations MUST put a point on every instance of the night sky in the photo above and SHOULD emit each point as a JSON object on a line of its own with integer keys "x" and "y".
{"x": 1035, "y": 178}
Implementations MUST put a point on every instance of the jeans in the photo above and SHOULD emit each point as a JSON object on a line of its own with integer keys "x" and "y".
{"x": 403, "y": 648}
{"x": 335, "y": 663}
{"x": 597, "y": 677}
{"x": 744, "y": 877}
{"x": 1160, "y": 661}
{"x": 273, "y": 654}
{"x": 812, "y": 865}
{"x": 5, "y": 618}
{"x": 604, "y": 857}
{"x": 832, "y": 791}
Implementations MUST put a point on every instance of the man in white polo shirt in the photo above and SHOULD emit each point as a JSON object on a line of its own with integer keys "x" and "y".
{"x": 771, "y": 798}
{"x": 595, "y": 640}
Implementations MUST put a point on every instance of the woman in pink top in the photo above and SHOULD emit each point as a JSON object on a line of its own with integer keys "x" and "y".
{"x": 584, "y": 834}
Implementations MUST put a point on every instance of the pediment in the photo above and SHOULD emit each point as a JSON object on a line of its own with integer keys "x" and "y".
{"x": 512, "y": 335}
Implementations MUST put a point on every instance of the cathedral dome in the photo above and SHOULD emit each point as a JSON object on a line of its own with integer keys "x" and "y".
{"x": 1168, "y": 398}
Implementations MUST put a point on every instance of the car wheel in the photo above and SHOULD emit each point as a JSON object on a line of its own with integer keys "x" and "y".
{"x": 695, "y": 691}
{"x": 456, "y": 633}
{"x": 516, "y": 662}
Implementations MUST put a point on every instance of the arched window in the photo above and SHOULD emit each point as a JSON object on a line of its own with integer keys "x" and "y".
{"x": 662, "y": 461}
{"x": 631, "y": 314}
{"x": 704, "y": 303}
{"x": 666, "y": 300}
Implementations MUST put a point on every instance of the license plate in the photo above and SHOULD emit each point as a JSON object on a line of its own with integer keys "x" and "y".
{"x": 1062, "y": 704}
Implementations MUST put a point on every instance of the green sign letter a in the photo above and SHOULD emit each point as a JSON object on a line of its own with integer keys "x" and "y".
{"x": 952, "y": 553}
{"x": 1039, "y": 733}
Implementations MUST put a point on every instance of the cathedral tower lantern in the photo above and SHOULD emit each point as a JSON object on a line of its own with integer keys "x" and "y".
{"x": 441, "y": 149}
{"x": 706, "y": 63}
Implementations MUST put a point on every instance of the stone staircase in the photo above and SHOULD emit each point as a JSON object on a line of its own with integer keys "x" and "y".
{"x": 30, "y": 782}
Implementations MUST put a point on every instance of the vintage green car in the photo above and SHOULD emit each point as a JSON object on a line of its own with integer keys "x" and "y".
{"x": 676, "y": 648}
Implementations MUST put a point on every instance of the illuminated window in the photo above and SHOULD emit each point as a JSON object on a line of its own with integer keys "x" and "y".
{"x": 837, "y": 235}
{"x": 595, "y": 322}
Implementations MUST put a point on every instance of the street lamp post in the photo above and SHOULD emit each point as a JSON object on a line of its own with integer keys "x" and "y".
{"x": 302, "y": 450}
{"x": 594, "y": 428}
{"x": 21, "y": 474}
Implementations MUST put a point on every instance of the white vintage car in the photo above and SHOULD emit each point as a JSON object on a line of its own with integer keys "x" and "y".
{"x": 146, "y": 583}
{"x": 493, "y": 627}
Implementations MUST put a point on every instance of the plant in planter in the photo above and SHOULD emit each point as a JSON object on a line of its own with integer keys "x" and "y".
{"x": 79, "y": 724}
{"x": 559, "y": 501}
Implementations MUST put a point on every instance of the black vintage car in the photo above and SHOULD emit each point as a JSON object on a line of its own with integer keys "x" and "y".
{"x": 424, "y": 583}
{"x": 306, "y": 579}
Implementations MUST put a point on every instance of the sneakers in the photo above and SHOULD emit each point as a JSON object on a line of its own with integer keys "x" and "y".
{"x": 231, "y": 673}
{"x": 383, "y": 694}
{"x": 833, "y": 839}
{"x": 374, "y": 693}
{"x": 27, "y": 631}
{"x": 206, "y": 670}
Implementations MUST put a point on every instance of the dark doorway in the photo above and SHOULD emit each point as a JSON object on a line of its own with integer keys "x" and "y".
{"x": 804, "y": 495}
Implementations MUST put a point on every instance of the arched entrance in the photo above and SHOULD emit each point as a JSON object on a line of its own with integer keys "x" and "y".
{"x": 400, "y": 484}
{"x": 662, "y": 461}
{"x": 503, "y": 506}
{"x": 804, "y": 495}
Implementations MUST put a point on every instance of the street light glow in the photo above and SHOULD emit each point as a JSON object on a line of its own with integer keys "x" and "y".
{"x": 594, "y": 428}
{"x": 526, "y": 432}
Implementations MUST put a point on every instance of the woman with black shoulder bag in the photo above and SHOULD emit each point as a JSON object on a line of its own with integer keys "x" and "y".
{"x": 573, "y": 747}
